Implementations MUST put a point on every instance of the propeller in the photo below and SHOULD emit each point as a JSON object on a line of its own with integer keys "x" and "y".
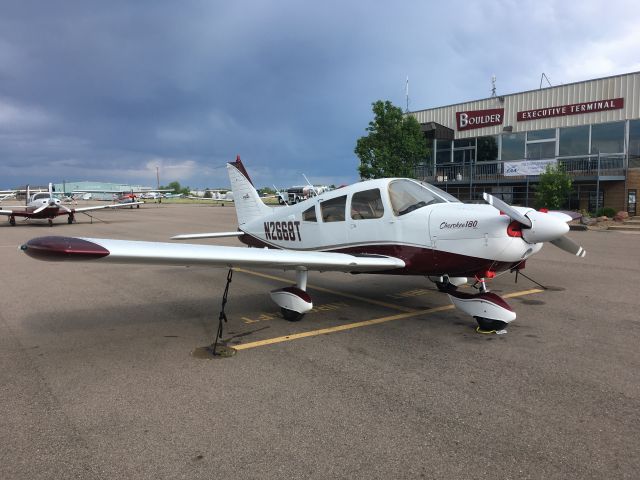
{"x": 41, "y": 207}
{"x": 539, "y": 226}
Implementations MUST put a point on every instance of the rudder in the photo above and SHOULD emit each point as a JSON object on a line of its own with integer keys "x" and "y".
{"x": 249, "y": 205}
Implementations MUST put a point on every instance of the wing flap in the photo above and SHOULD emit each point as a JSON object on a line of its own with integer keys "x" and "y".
{"x": 192, "y": 236}
{"x": 158, "y": 253}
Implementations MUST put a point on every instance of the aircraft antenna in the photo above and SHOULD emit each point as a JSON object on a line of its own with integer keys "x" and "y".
{"x": 313, "y": 189}
{"x": 282, "y": 197}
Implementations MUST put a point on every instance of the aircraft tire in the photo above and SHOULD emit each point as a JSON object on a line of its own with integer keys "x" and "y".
{"x": 12, "y": 221}
{"x": 290, "y": 315}
{"x": 445, "y": 286}
{"x": 489, "y": 324}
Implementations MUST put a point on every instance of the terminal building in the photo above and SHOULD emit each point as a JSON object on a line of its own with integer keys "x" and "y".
{"x": 501, "y": 144}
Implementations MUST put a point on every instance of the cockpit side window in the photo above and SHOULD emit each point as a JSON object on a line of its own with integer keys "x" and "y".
{"x": 309, "y": 215}
{"x": 334, "y": 210}
{"x": 407, "y": 196}
{"x": 366, "y": 205}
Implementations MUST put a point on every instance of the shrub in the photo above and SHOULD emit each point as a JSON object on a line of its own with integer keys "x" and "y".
{"x": 606, "y": 212}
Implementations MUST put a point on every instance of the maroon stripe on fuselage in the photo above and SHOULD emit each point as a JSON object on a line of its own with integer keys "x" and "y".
{"x": 63, "y": 248}
{"x": 418, "y": 260}
{"x": 425, "y": 261}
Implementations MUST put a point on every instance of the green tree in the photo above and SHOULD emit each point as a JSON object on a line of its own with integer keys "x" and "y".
{"x": 394, "y": 146}
{"x": 554, "y": 189}
{"x": 175, "y": 187}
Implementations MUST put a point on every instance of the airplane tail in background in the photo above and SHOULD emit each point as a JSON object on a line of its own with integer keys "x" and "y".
{"x": 248, "y": 203}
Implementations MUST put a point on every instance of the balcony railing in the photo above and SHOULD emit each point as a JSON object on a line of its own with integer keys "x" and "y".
{"x": 582, "y": 167}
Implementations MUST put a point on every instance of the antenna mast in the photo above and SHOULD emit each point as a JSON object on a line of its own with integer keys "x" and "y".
{"x": 406, "y": 92}
{"x": 542, "y": 77}
{"x": 493, "y": 86}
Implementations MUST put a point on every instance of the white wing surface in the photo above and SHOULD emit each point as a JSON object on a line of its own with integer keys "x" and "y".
{"x": 100, "y": 207}
{"x": 125, "y": 251}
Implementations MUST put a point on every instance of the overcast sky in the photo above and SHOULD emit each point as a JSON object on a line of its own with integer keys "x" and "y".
{"x": 110, "y": 90}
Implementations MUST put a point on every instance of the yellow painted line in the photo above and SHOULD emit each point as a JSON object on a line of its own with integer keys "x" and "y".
{"x": 375, "y": 321}
{"x": 333, "y": 292}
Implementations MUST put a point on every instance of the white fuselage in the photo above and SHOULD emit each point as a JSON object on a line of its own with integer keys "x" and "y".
{"x": 446, "y": 237}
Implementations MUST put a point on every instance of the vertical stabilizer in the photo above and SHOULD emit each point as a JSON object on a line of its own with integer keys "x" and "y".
{"x": 249, "y": 205}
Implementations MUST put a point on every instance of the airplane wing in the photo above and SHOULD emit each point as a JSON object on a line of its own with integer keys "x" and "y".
{"x": 5, "y": 212}
{"x": 190, "y": 236}
{"x": 55, "y": 248}
{"x": 99, "y": 207}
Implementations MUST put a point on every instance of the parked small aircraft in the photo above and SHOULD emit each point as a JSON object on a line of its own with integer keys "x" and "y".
{"x": 44, "y": 205}
{"x": 6, "y": 194}
{"x": 394, "y": 226}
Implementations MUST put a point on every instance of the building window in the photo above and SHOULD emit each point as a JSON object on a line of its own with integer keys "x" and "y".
{"x": 513, "y": 146}
{"x": 574, "y": 141}
{"x": 634, "y": 142}
{"x": 443, "y": 151}
{"x": 541, "y": 150}
{"x": 487, "y": 148}
{"x": 548, "y": 134}
{"x": 607, "y": 138}
{"x": 541, "y": 144}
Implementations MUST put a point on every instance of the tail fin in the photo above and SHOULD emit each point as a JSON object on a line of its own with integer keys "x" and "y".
{"x": 249, "y": 205}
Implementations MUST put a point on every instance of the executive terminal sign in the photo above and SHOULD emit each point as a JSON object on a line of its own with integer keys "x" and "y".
{"x": 575, "y": 109}
{"x": 479, "y": 118}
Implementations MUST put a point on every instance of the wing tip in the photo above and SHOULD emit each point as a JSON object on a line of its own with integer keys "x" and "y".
{"x": 53, "y": 248}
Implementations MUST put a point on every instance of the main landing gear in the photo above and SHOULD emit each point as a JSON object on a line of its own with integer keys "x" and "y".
{"x": 491, "y": 312}
{"x": 294, "y": 301}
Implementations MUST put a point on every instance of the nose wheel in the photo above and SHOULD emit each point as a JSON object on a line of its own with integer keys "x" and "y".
{"x": 487, "y": 325}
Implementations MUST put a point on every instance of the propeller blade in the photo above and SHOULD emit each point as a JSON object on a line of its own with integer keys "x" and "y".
{"x": 511, "y": 212}
{"x": 570, "y": 246}
{"x": 65, "y": 208}
{"x": 41, "y": 208}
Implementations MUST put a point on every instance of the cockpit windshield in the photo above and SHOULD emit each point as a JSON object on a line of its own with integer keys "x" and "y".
{"x": 407, "y": 196}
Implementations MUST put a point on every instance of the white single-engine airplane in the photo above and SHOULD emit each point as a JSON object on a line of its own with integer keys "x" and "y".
{"x": 393, "y": 226}
{"x": 44, "y": 205}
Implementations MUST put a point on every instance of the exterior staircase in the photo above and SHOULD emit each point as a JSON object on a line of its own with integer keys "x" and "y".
{"x": 630, "y": 225}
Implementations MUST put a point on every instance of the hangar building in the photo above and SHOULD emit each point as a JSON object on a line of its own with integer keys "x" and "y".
{"x": 501, "y": 144}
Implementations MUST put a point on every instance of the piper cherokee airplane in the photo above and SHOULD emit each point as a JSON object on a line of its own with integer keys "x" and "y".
{"x": 394, "y": 226}
{"x": 43, "y": 205}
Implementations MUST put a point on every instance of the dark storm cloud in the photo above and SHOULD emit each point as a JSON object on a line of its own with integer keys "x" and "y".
{"x": 109, "y": 90}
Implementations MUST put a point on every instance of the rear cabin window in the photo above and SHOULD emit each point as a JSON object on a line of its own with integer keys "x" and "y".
{"x": 407, "y": 196}
{"x": 333, "y": 210}
{"x": 309, "y": 215}
{"x": 367, "y": 204}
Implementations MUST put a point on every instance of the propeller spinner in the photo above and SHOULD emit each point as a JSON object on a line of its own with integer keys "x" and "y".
{"x": 539, "y": 227}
